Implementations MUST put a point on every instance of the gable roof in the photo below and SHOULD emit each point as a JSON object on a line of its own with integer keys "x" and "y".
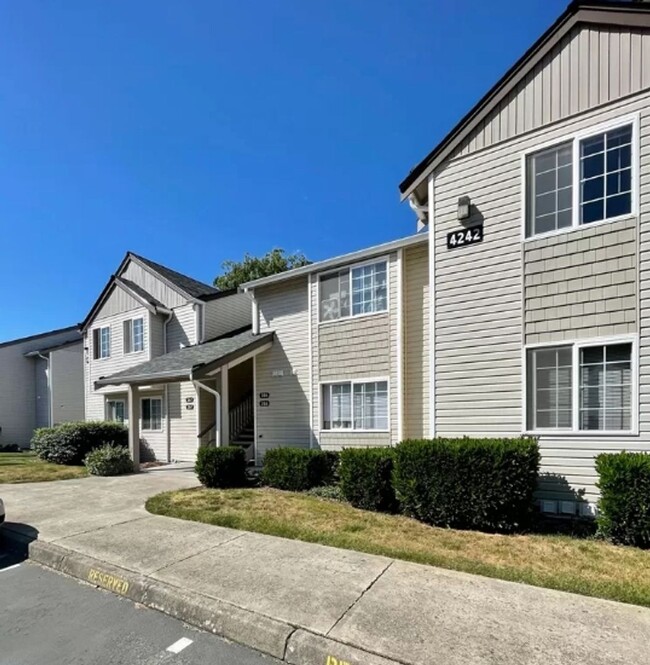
{"x": 600, "y": 12}
{"x": 188, "y": 285}
{"x": 29, "y": 338}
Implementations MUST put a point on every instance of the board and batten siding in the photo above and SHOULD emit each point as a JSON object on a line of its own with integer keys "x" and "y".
{"x": 590, "y": 67}
{"x": 283, "y": 370}
{"x": 153, "y": 285}
{"x": 582, "y": 284}
{"x": 117, "y": 302}
{"x": 416, "y": 342}
{"x": 363, "y": 347}
{"x": 67, "y": 388}
{"x": 223, "y": 315}
{"x": 479, "y": 302}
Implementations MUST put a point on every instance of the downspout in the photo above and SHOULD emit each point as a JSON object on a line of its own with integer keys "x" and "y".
{"x": 255, "y": 311}
{"x": 199, "y": 322}
{"x": 432, "y": 307}
{"x": 169, "y": 422}
{"x": 48, "y": 374}
{"x": 421, "y": 212}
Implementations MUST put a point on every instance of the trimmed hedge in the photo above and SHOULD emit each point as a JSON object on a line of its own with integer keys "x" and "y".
{"x": 69, "y": 443}
{"x": 484, "y": 484}
{"x": 221, "y": 467}
{"x": 624, "y": 506}
{"x": 297, "y": 469}
{"x": 109, "y": 460}
{"x": 366, "y": 478}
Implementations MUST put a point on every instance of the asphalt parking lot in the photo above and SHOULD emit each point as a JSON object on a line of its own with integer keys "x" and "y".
{"x": 47, "y": 619}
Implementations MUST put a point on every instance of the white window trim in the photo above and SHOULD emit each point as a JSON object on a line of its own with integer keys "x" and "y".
{"x": 576, "y": 345}
{"x": 350, "y": 268}
{"x": 130, "y": 322}
{"x": 162, "y": 415}
{"x": 575, "y": 138}
{"x": 113, "y": 399}
{"x": 100, "y": 356}
{"x": 353, "y": 382}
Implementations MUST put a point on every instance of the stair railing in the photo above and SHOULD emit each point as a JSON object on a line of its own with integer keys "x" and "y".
{"x": 241, "y": 416}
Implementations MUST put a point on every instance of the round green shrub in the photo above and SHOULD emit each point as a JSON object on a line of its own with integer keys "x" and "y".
{"x": 109, "y": 460}
{"x": 221, "y": 467}
{"x": 624, "y": 506}
{"x": 69, "y": 443}
{"x": 299, "y": 469}
{"x": 366, "y": 478}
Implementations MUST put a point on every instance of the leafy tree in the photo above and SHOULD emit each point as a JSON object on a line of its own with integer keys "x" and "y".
{"x": 254, "y": 267}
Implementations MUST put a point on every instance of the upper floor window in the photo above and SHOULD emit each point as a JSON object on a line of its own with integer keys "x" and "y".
{"x": 102, "y": 342}
{"x": 581, "y": 387}
{"x": 354, "y": 291}
{"x": 134, "y": 335}
{"x": 587, "y": 179}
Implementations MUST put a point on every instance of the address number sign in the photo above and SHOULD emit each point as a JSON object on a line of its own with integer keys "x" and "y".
{"x": 464, "y": 237}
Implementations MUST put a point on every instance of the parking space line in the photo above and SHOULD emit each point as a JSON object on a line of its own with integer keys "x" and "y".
{"x": 16, "y": 565}
{"x": 179, "y": 645}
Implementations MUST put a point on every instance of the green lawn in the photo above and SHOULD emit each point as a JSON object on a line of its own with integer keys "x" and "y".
{"x": 586, "y": 566}
{"x": 27, "y": 468}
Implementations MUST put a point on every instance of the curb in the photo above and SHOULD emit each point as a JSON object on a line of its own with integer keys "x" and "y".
{"x": 294, "y": 645}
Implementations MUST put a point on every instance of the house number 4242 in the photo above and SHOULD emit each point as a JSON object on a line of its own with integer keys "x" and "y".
{"x": 464, "y": 237}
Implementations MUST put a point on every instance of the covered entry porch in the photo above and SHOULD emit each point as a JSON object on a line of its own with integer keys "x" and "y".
{"x": 220, "y": 401}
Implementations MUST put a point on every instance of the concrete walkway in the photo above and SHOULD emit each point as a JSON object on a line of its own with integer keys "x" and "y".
{"x": 308, "y": 603}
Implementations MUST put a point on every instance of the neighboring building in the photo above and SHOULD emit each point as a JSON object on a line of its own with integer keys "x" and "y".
{"x": 153, "y": 329}
{"x": 41, "y": 383}
{"x": 339, "y": 374}
{"x": 539, "y": 251}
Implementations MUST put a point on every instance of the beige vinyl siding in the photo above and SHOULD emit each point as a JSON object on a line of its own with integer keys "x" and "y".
{"x": 590, "y": 67}
{"x": 153, "y": 444}
{"x": 285, "y": 422}
{"x": 169, "y": 296}
{"x": 479, "y": 302}
{"x": 226, "y": 314}
{"x": 118, "y": 361}
{"x": 582, "y": 284}
{"x": 181, "y": 329}
{"x": 18, "y": 386}
{"x": 118, "y": 301}
{"x": 157, "y": 334}
{"x": 363, "y": 347}
{"x": 416, "y": 342}
{"x": 66, "y": 371}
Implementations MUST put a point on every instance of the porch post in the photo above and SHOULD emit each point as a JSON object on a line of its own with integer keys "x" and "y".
{"x": 134, "y": 426}
{"x": 225, "y": 409}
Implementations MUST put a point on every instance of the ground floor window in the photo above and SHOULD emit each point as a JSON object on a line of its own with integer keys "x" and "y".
{"x": 581, "y": 386}
{"x": 355, "y": 405}
{"x": 116, "y": 410}
{"x": 151, "y": 413}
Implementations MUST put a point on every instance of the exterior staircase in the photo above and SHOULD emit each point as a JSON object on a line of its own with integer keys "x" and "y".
{"x": 242, "y": 426}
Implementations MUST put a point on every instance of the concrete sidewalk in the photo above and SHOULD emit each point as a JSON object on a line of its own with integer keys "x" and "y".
{"x": 308, "y": 604}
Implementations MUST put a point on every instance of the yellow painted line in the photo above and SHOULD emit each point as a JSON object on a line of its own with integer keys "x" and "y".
{"x": 108, "y": 581}
{"x": 331, "y": 660}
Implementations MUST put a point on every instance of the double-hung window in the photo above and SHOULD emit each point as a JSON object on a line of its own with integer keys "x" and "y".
{"x": 134, "y": 335}
{"x": 151, "y": 413}
{"x": 354, "y": 291}
{"x": 116, "y": 410}
{"x": 355, "y": 405}
{"x": 102, "y": 342}
{"x": 587, "y": 179}
{"x": 581, "y": 387}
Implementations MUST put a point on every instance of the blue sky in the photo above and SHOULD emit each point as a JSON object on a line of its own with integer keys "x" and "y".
{"x": 192, "y": 132}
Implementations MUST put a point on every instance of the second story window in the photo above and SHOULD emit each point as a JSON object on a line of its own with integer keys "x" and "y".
{"x": 354, "y": 291}
{"x": 102, "y": 342}
{"x": 134, "y": 335}
{"x": 585, "y": 180}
